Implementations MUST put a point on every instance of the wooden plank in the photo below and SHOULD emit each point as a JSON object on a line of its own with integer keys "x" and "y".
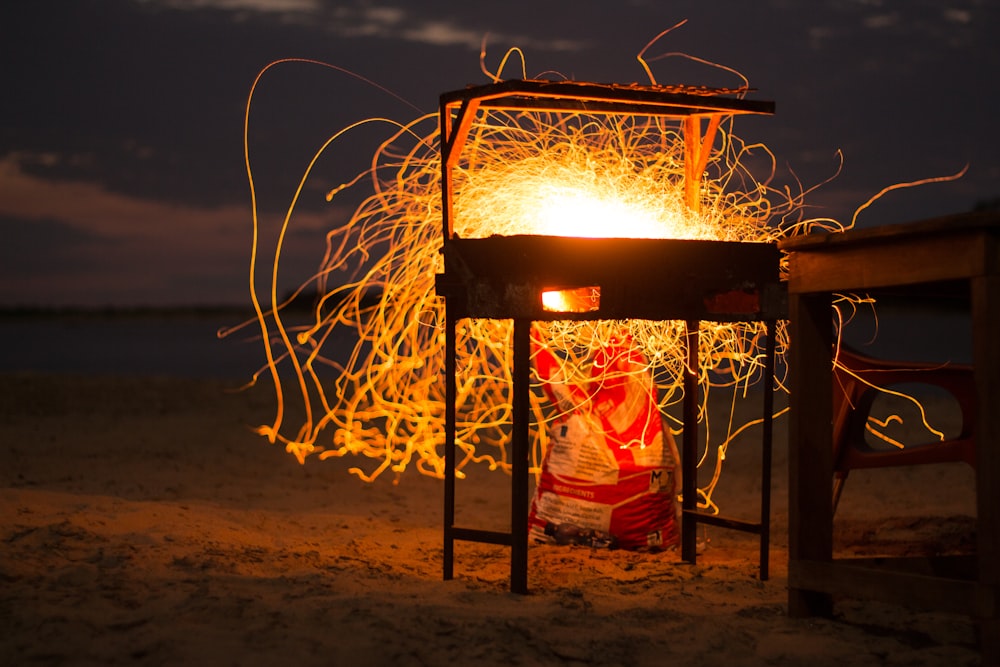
{"x": 962, "y": 566}
{"x": 895, "y": 587}
{"x": 912, "y": 261}
{"x": 949, "y": 225}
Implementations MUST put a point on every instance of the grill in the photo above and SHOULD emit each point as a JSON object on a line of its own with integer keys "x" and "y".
{"x": 505, "y": 277}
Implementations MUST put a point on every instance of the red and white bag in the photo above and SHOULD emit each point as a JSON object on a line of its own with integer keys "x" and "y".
{"x": 610, "y": 477}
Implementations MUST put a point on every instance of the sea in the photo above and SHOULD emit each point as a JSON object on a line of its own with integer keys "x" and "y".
{"x": 186, "y": 342}
{"x": 141, "y": 342}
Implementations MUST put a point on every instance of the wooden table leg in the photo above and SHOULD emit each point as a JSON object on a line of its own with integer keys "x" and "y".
{"x": 985, "y": 292}
{"x": 810, "y": 448}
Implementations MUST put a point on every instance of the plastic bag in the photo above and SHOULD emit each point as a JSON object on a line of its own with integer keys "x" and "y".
{"x": 610, "y": 476}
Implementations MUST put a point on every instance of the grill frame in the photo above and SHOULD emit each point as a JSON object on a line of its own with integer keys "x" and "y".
{"x": 503, "y": 277}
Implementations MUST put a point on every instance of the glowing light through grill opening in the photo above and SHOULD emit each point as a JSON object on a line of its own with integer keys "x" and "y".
{"x": 572, "y": 300}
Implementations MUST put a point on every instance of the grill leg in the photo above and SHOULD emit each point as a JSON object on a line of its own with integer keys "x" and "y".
{"x": 519, "y": 463}
{"x": 766, "y": 449}
{"x": 449, "y": 445}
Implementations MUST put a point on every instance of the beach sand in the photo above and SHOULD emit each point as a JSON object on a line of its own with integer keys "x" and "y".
{"x": 143, "y": 522}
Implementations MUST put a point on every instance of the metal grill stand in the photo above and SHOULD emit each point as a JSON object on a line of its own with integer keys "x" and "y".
{"x": 503, "y": 277}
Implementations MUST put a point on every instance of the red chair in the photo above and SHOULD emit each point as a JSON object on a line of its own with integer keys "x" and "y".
{"x": 854, "y": 395}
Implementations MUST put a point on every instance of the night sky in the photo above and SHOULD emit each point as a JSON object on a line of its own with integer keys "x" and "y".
{"x": 121, "y": 121}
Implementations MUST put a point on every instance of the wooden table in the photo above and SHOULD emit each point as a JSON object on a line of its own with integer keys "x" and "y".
{"x": 961, "y": 251}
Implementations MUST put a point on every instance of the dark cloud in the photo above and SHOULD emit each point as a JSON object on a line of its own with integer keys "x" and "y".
{"x": 46, "y": 244}
{"x": 45, "y": 255}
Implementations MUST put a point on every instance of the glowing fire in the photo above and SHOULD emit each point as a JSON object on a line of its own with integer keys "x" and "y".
{"x": 556, "y": 208}
{"x": 597, "y": 177}
{"x": 575, "y": 212}
{"x": 381, "y": 395}
{"x": 576, "y": 300}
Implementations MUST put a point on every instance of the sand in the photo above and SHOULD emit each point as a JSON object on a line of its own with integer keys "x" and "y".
{"x": 143, "y": 522}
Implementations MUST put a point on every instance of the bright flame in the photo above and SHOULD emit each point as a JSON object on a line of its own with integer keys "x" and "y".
{"x": 573, "y": 211}
{"x": 599, "y": 177}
